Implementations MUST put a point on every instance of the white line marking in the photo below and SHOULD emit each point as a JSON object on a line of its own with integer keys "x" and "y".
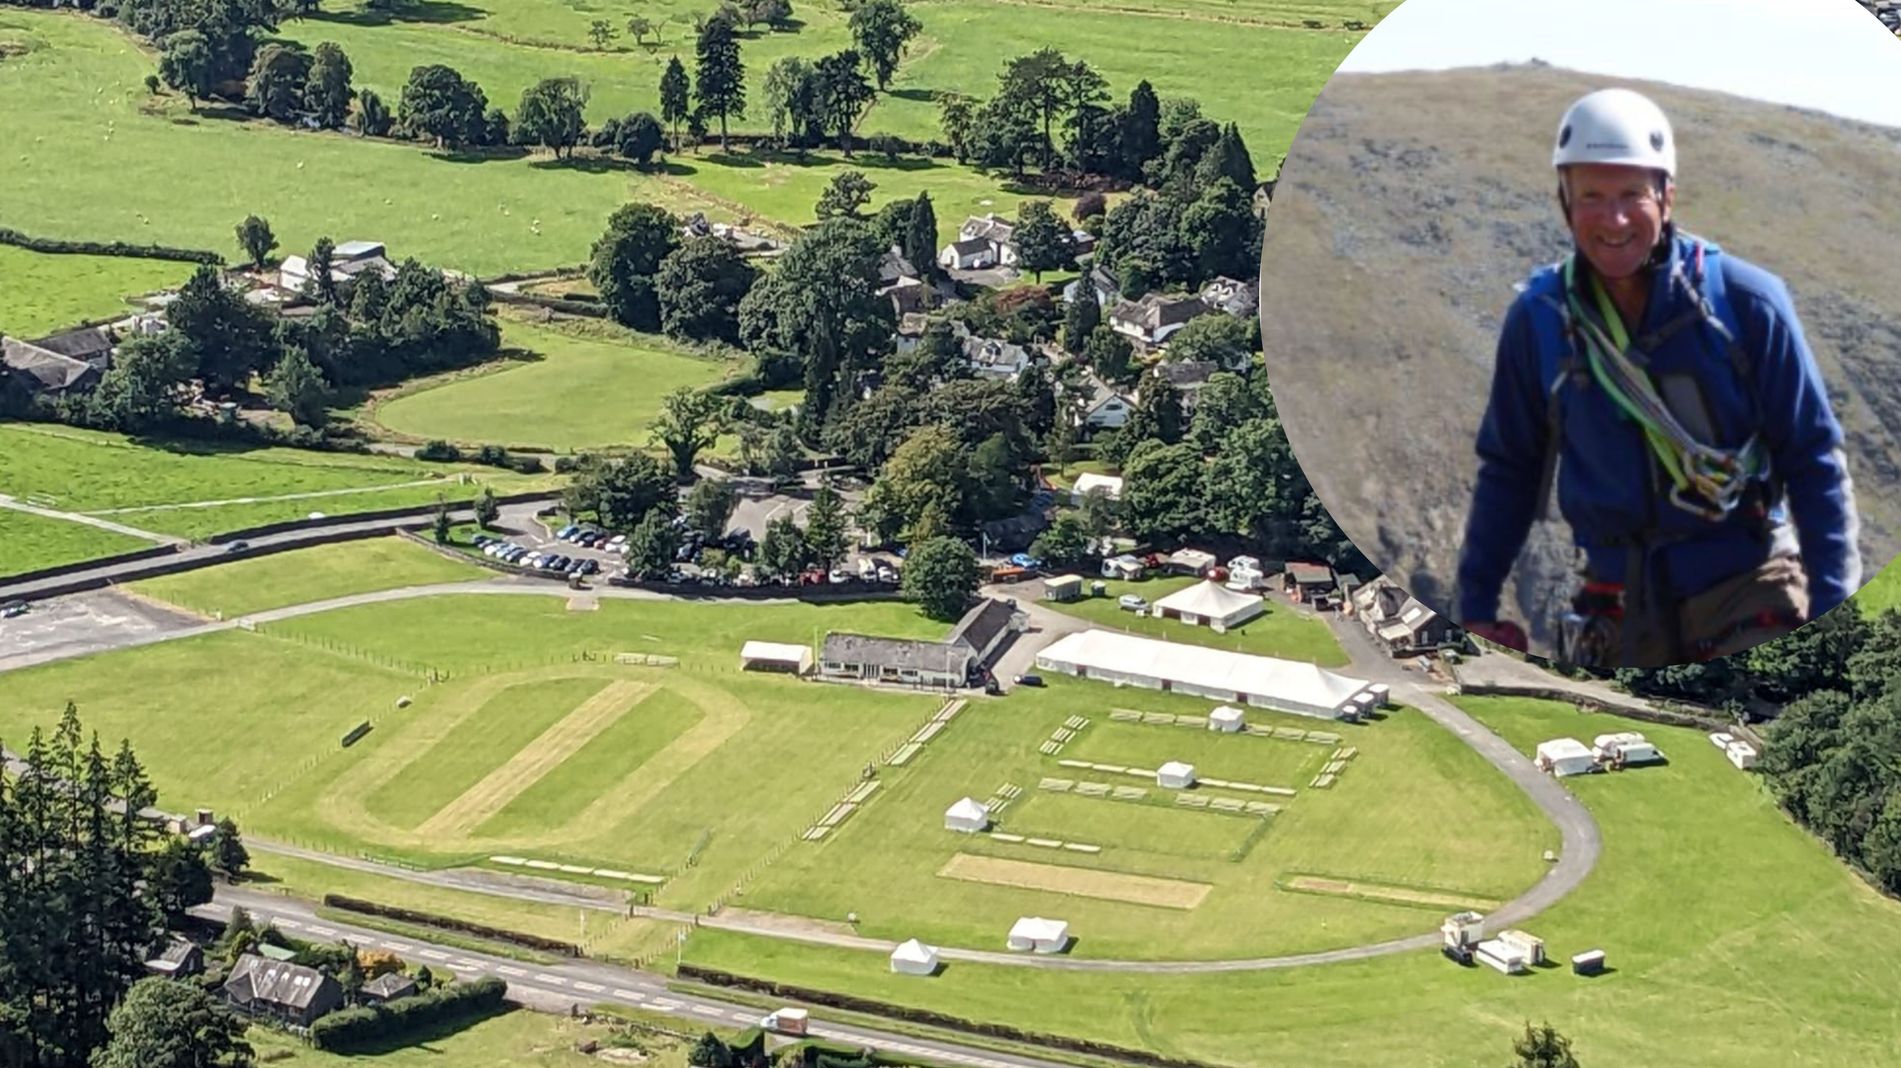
{"x": 316, "y": 930}
{"x": 740, "y": 1016}
{"x": 592, "y": 988}
{"x": 400, "y": 947}
{"x": 506, "y": 970}
{"x": 432, "y": 954}
{"x": 544, "y": 977}
{"x": 666, "y": 1003}
{"x": 705, "y": 1010}
{"x": 292, "y": 924}
{"x": 464, "y": 962}
{"x": 630, "y": 995}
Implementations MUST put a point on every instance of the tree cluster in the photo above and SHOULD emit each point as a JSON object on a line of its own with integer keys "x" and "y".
{"x": 650, "y": 279}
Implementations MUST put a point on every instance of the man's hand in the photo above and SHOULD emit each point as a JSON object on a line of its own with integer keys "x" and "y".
{"x": 1506, "y": 633}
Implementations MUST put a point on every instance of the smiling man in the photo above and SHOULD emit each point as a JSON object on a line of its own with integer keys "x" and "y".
{"x": 1666, "y": 391}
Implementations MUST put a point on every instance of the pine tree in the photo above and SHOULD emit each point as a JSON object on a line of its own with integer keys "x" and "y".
{"x": 722, "y": 76}
{"x": 675, "y": 97}
{"x": 920, "y": 237}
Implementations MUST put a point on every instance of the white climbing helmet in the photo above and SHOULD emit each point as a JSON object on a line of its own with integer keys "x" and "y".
{"x": 1616, "y": 126}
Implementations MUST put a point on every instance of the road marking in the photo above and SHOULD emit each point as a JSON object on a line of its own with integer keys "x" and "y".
{"x": 464, "y": 962}
{"x": 666, "y": 1003}
{"x": 506, "y": 970}
{"x": 292, "y": 924}
{"x": 544, "y": 977}
{"x": 316, "y": 930}
{"x": 742, "y": 1017}
{"x": 591, "y": 988}
{"x": 705, "y": 1010}
{"x": 432, "y": 954}
{"x": 630, "y": 995}
{"x": 400, "y": 947}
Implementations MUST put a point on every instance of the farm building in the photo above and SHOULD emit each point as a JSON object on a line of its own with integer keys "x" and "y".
{"x": 1090, "y": 480}
{"x": 1037, "y": 934}
{"x": 1190, "y": 562}
{"x": 180, "y": 958}
{"x": 1265, "y": 682}
{"x": 938, "y": 665}
{"x": 1208, "y": 602}
{"x": 1175, "y": 775}
{"x": 775, "y": 656}
{"x": 389, "y": 987}
{"x": 1565, "y": 756}
{"x": 40, "y": 371}
{"x": 914, "y": 958}
{"x": 968, "y": 815}
{"x": 281, "y": 990}
{"x": 1063, "y": 588}
{"x": 1125, "y": 567}
{"x": 347, "y": 261}
{"x": 1227, "y": 719}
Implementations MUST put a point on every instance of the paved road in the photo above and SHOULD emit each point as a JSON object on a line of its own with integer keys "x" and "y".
{"x": 557, "y": 986}
{"x": 1578, "y": 832}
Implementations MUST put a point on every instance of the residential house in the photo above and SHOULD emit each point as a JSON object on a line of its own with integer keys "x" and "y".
{"x": 38, "y": 372}
{"x": 92, "y": 345}
{"x": 990, "y": 358}
{"x": 901, "y": 661}
{"x": 281, "y": 990}
{"x": 1232, "y": 296}
{"x": 1398, "y": 621}
{"x": 1151, "y": 321}
{"x": 347, "y": 261}
{"x": 1101, "y": 406}
{"x": 1189, "y": 377}
{"x": 180, "y": 958}
{"x": 388, "y": 987}
{"x": 1308, "y": 582}
{"x": 1099, "y": 283}
{"x": 911, "y": 327}
{"x": 1082, "y": 243}
{"x": 1015, "y": 533}
{"x": 984, "y": 241}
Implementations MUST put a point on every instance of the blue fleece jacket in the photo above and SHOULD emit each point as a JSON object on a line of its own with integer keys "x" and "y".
{"x": 1603, "y": 484}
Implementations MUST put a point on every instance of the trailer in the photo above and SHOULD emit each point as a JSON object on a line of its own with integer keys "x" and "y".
{"x": 788, "y": 1021}
{"x": 1502, "y": 955}
{"x": 1590, "y": 962}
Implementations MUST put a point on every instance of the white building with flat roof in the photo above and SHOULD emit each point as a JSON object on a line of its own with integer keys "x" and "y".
{"x": 1239, "y": 678}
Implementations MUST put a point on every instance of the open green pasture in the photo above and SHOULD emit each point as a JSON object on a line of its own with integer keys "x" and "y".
{"x": 1282, "y": 631}
{"x": 576, "y": 390}
{"x": 518, "y": 1038}
{"x": 1215, "y": 755}
{"x": 29, "y": 541}
{"x": 304, "y": 575}
{"x": 1883, "y": 591}
{"x": 1386, "y": 820}
{"x": 44, "y": 292}
{"x": 195, "y": 488}
{"x": 1736, "y": 939}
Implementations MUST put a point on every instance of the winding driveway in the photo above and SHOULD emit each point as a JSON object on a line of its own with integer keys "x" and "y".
{"x": 1581, "y": 842}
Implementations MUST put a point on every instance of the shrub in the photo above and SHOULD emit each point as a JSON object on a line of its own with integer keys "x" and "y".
{"x": 439, "y": 451}
{"x": 353, "y": 1028}
{"x": 492, "y": 455}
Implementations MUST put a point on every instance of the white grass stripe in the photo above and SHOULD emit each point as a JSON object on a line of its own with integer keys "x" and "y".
{"x": 1216, "y": 782}
{"x": 1126, "y": 717}
{"x": 576, "y": 869}
{"x": 1082, "y": 847}
{"x": 1112, "y": 768}
{"x": 1225, "y": 804}
{"x": 544, "y": 865}
{"x": 1075, "y": 763}
{"x": 1049, "y": 749}
{"x": 1059, "y": 785}
{"x": 1046, "y": 843}
{"x": 1002, "y": 837}
{"x": 1283, "y": 791}
{"x": 514, "y": 861}
{"x": 1158, "y": 717}
{"x": 1191, "y": 801}
{"x": 903, "y": 755}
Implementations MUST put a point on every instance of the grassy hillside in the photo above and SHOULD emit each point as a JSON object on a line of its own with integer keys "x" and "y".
{"x": 1411, "y": 204}
{"x": 45, "y": 292}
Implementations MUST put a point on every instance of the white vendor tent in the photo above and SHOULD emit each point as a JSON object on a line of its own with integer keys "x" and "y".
{"x": 967, "y": 815}
{"x": 775, "y": 656}
{"x": 1741, "y": 754}
{"x": 1089, "y": 480}
{"x": 1040, "y": 935}
{"x": 1175, "y": 775}
{"x": 914, "y": 958}
{"x": 1226, "y": 718}
{"x": 1262, "y": 681}
{"x": 1211, "y": 603}
{"x": 1565, "y": 756}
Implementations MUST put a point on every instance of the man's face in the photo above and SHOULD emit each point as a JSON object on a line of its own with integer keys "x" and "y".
{"x": 1617, "y": 215}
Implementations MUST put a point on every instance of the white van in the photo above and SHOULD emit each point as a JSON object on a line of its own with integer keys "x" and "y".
{"x": 1129, "y": 602}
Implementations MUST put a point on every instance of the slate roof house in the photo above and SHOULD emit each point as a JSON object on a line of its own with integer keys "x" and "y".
{"x": 181, "y": 957}
{"x": 347, "y": 261}
{"x": 1099, "y": 283}
{"x": 282, "y": 990}
{"x": 388, "y": 987}
{"x": 1102, "y": 406}
{"x": 1232, "y": 296}
{"x": 984, "y": 241}
{"x": 1398, "y": 621}
{"x": 948, "y": 664}
{"x": 48, "y": 374}
{"x": 1189, "y": 377}
{"x": 1150, "y": 322}
{"x": 92, "y": 344}
{"x": 991, "y": 358}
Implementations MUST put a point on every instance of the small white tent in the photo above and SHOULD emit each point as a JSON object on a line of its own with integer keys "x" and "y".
{"x": 1741, "y": 754}
{"x": 1565, "y": 756}
{"x": 914, "y": 958}
{"x": 967, "y": 815}
{"x": 775, "y": 656}
{"x": 1039, "y": 935}
{"x": 1209, "y": 602}
{"x": 1227, "y": 718}
{"x": 1175, "y": 775}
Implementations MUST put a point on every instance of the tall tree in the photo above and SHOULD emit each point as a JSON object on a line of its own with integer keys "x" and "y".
{"x": 1158, "y": 412}
{"x": 438, "y": 102}
{"x": 627, "y": 257}
{"x": 619, "y": 493}
{"x": 791, "y": 94}
{"x": 186, "y": 65}
{"x": 1038, "y": 81}
{"x": 721, "y": 88}
{"x": 1080, "y": 320}
{"x": 939, "y": 576}
{"x": 843, "y": 94}
{"x": 637, "y": 138}
{"x": 957, "y": 118}
{"x": 1043, "y": 240}
{"x": 1162, "y": 491}
{"x": 1227, "y": 158}
{"x": 147, "y": 382}
{"x": 319, "y": 281}
{"x": 601, "y": 32}
{"x": 699, "y": 286}
{"x": 371, "y": 118}
{"x": 167, "y": 1024}
{"x": 783, "y": 551}
{"x": 825, "y": 526}
{"x": 256, "y": 239}
{"x": 709, "y": 506}
{"x": 1141, "y": 129}
{"x": 1221, "y": 231}
{"x": 920, "y": 237}
{"x": 327, "y": 93}
{"x": 275, "y": 87}
{"x": 178, "y": 878}
{"x": 232, "y": 337}
{"x": 651, "y": 546}
{"x": 297, "y": 388}
{"x": 881, "y": 29}
{"x": 675, "y": 97}
{"x": 551, "y": 114}
{"x": 848, "y": 192}
{"x": 690, "y": 420}
{"x": 1109, "y": 353}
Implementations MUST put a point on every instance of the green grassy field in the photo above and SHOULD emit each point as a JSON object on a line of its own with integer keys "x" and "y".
{"x": 1735, "y": 938}
{"x": 305, "y": 575}
{"x": 146, "y": 484}
{"x": 578, "y": 392}
{"x": 1282, "y": 631}
{"x": 30, "y": 541}
{"x": 45, "y": 292}
{"x": 1883, "y": 591}
{"x": 1380, "y": 821}
{"x": 519, "y": 1037}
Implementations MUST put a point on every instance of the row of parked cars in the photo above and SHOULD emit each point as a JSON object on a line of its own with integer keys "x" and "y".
{"x": 521, "y": 556}
{"x": 593, "y": 538}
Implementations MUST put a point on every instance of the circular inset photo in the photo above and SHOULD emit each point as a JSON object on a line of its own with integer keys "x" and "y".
{"x": 1584, "y": 320}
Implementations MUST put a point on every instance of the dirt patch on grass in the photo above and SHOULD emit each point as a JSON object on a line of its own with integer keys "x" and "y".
{"x": 780, "y": 921}
{"x": 1082, "y": 882}
{"x": 1391, "y": 895}
{"x": 544, "y": 754}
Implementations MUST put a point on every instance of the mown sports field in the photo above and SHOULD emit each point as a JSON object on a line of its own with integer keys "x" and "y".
{"x": 693, "y": 781}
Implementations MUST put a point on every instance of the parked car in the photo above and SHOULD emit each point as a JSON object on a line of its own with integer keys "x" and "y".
{"x": 565, "y": 532}
{"x": 1025, "y": 560}
{"x": 1029, "y": 680}
{"x": 616, "y": 541}
{"x": 887, "y": 574}
{"x": 13, "y": 610}
{"x": 590, "y": 566}
{"x": 1129, "y": 602}
{"x": 237, "y": 546}
{"x": 839, "y": 574}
